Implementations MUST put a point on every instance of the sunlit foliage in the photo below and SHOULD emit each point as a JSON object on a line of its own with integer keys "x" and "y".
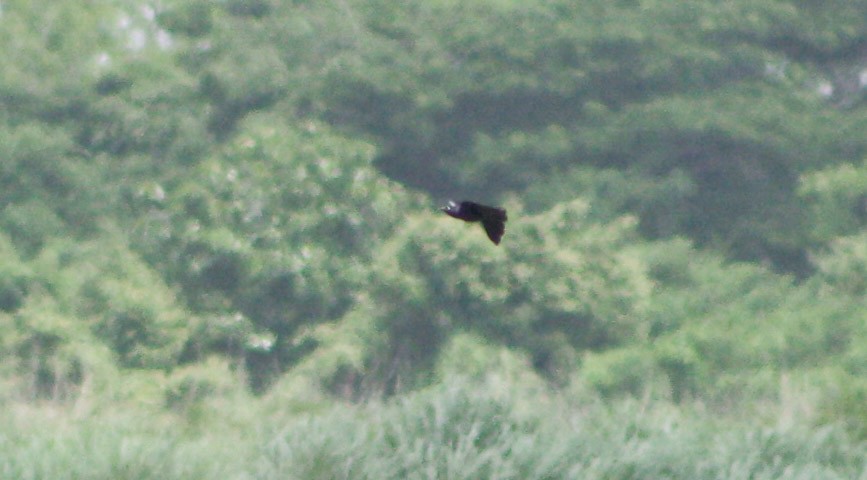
{"x": 228, "y": 210}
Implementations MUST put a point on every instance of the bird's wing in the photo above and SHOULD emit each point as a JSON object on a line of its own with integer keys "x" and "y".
{"x": 495, "y": 228}
{"x": 486, "y": 212}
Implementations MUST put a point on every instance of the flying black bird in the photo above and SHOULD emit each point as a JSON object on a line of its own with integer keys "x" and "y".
{"x": 492, "y": 218}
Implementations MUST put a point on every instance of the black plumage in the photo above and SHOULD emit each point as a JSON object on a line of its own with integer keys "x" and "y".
{"x": 493, "y": 219}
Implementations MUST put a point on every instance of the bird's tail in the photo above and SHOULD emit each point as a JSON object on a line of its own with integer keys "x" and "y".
{"x": 494, "y": 213}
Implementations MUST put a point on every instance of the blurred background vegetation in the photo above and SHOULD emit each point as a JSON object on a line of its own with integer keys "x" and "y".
{"x": 220, "y": 254}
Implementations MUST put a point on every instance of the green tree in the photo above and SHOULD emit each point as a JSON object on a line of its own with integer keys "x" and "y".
{"x": 726, "y": 107}
{"x": 557, "y": 285}
{"x": 276, "y": 230}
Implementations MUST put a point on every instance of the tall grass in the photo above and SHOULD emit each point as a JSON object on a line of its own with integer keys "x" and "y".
{"x": 448, "y": 432}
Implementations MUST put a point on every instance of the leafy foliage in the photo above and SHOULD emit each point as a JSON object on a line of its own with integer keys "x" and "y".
{"x": 278, "y": 228}
{"x": 226, "y": 210}
{"x": 559, "y": 284}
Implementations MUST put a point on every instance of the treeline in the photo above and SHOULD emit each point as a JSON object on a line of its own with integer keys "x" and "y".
{"x": 199, "y": 194}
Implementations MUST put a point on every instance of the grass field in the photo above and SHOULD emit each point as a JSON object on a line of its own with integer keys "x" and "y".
{"x": 454, "y": 432}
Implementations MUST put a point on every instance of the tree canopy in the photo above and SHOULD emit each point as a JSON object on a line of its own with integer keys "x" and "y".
{"x": 204, "y": 198}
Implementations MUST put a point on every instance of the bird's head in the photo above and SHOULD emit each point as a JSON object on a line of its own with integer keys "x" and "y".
{"x": 451, "y": 207}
